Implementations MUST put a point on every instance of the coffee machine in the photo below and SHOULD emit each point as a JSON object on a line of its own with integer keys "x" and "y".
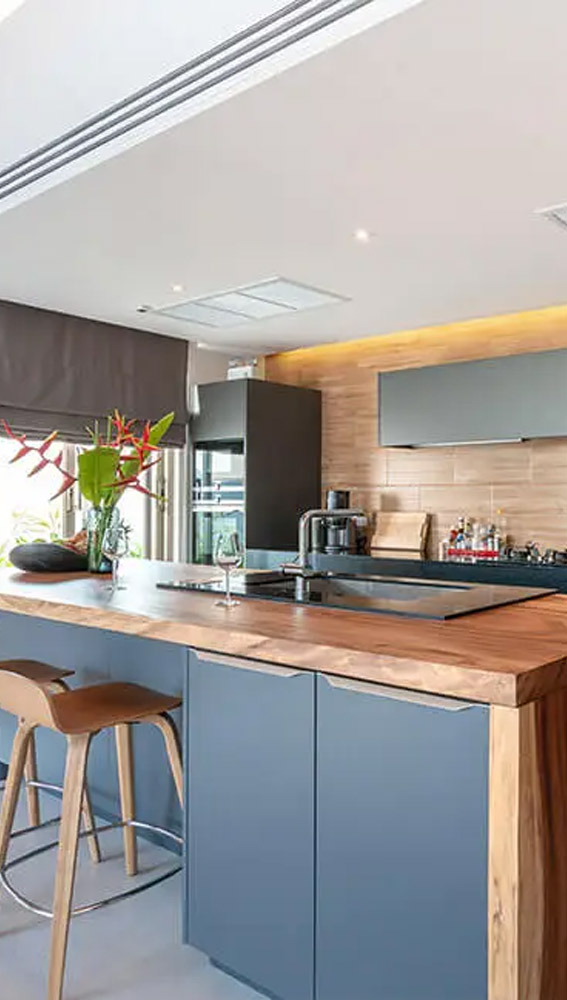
{"x": 336, "y": 535}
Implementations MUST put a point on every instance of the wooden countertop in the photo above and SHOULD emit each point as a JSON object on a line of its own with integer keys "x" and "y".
{"x": 506, "y": 656}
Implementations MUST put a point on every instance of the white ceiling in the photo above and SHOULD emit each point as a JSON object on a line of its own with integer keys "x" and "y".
{"x": 8, "y": 7}
{"x": 440, "y": 131}
{"x": 51, "y": 56}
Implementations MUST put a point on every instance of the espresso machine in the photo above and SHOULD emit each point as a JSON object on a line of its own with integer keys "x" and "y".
{"x": 336, "y": 535}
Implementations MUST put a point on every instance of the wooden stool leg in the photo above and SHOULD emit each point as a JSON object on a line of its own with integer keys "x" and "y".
{"x": 18, "y": 756}
{"x": 123, "y": 734}
{"x": 75, "y": 769}
{"x": 168, "y": 729}
{"x": 89, "y": 825}
{"x": 88, "y": 816}
{"x": 30, "y": 772}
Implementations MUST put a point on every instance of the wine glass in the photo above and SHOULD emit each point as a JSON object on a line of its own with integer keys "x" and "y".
{"x": 115, "y": 546}
{"x": 228, "y": 556}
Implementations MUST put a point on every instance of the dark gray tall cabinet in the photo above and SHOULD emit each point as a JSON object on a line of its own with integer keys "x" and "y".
{"x": 278, "y": 428}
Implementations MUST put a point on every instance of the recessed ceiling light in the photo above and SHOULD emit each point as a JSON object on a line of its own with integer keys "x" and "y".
{"x": 362, "y": 236}
{"x": 177, "y": 288}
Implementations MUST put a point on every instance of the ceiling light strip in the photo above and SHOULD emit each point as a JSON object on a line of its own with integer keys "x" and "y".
{"x": 112, "y": 124}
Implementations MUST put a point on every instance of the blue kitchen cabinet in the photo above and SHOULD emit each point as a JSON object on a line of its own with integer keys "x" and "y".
{"x": 161, "y": 666}
{"x": 401, "y": 900}
{"x": 250, "y": 794}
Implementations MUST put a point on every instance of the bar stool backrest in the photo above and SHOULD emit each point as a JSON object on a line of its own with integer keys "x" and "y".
{"x": 27, "y": 699}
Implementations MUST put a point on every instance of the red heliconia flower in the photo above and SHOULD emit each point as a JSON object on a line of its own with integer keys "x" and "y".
{"x": 24, "y": 450}
{"x": 132, "y": 450}
{"x": 37, "y": 468}
{"x": 10, "y": 432}
{"x": 68, "y": 481}
{"x": 41, "y": 450}
{"x": 47, "y": 443}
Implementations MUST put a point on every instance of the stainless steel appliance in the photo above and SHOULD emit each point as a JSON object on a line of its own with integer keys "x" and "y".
{"x": 217, "y": 495}
{"x": 339, "y": 533}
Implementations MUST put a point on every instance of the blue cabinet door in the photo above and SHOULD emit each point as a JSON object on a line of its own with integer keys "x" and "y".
{"x": 250, "y": 822}
{"x": 401, "y": 905}
{"x": 161, "y": 666}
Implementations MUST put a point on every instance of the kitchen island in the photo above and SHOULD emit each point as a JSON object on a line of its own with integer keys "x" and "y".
{"x": 375, "y": 805}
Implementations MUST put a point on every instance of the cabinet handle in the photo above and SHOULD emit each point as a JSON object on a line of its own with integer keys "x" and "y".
{"x": 399, "y": 694}
{"x": 258, "y": 665}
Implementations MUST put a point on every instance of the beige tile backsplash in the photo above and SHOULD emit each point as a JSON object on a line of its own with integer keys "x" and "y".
{"x": 526, "y": 480}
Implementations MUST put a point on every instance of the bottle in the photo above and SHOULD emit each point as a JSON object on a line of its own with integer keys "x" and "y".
{"x": 469, "y": 538}
{"x": 460, "y": 539}
{"x": 476, "y": 540}
{"x": 501, "y": 525}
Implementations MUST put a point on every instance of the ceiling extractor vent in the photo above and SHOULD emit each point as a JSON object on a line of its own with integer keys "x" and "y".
{"x": 262, "y": 301}
{"x": 555, "y": 213}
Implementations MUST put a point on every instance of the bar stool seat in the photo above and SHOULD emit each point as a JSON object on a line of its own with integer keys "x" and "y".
{"x": 78, "y": 714}
{"x": 35, "y": 670}
{"x": 87, "y": 710}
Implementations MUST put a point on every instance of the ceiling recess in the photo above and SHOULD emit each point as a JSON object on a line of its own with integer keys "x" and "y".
{"x": 291, "y": 24}
{"x": 555, "y": 213}
{"x": 251, "y": 303}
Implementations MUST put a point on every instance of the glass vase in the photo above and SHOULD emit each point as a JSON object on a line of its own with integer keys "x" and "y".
{"x": 98, "y": 522}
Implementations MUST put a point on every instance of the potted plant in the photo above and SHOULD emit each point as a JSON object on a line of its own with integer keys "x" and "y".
{"x": 113, "y": 463}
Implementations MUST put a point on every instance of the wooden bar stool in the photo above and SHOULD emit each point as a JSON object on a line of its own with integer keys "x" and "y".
{"x": 79, "y": 714}
{"x": 53, "y": 679}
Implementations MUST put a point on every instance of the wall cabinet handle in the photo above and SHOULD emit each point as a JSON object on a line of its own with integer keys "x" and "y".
{"x": 399, "y": 694}
{"x": 258, "y": 665}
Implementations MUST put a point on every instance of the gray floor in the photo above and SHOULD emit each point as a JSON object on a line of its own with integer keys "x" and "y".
{"x": 129, "y": 951}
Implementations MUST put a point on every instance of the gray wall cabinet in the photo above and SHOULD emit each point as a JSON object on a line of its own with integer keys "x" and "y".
{"x": 522, "y": 396}
{"x": 401, "y": 846}
{"x": 250, "y": 775}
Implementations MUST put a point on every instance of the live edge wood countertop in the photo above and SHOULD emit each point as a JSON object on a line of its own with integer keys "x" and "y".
{"x": 505, "y": 656}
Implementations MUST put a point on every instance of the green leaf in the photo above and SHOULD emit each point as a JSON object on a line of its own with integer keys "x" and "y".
{"x": 157, "y": 431}
{"x": 97, "y": 468}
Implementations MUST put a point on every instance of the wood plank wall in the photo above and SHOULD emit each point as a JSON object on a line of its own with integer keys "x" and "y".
{"x": 527, "y": 481}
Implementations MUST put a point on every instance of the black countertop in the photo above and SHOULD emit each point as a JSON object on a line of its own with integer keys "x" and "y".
{"x": 378, "y": 594}
{"x": 509, "y": 574}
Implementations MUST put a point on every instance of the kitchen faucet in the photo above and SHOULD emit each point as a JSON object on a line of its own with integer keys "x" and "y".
{"x": 300, "y": 568}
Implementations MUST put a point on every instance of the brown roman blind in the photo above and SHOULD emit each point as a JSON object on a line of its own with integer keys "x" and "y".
{"x": 64, "y": 372}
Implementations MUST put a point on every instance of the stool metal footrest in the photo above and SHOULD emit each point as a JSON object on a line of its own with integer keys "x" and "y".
{"x": 28, "y": 904}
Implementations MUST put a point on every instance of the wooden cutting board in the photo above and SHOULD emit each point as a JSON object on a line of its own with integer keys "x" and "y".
{"x": 401, "y": 531}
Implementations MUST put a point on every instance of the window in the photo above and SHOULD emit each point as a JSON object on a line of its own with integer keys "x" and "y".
{"x": 27, "y": 514}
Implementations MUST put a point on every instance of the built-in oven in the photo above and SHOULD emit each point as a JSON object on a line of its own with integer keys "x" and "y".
{"x": 218, "y": 495}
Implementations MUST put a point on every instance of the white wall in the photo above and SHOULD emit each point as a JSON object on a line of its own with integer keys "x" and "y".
{"x": 210, "y": 366}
